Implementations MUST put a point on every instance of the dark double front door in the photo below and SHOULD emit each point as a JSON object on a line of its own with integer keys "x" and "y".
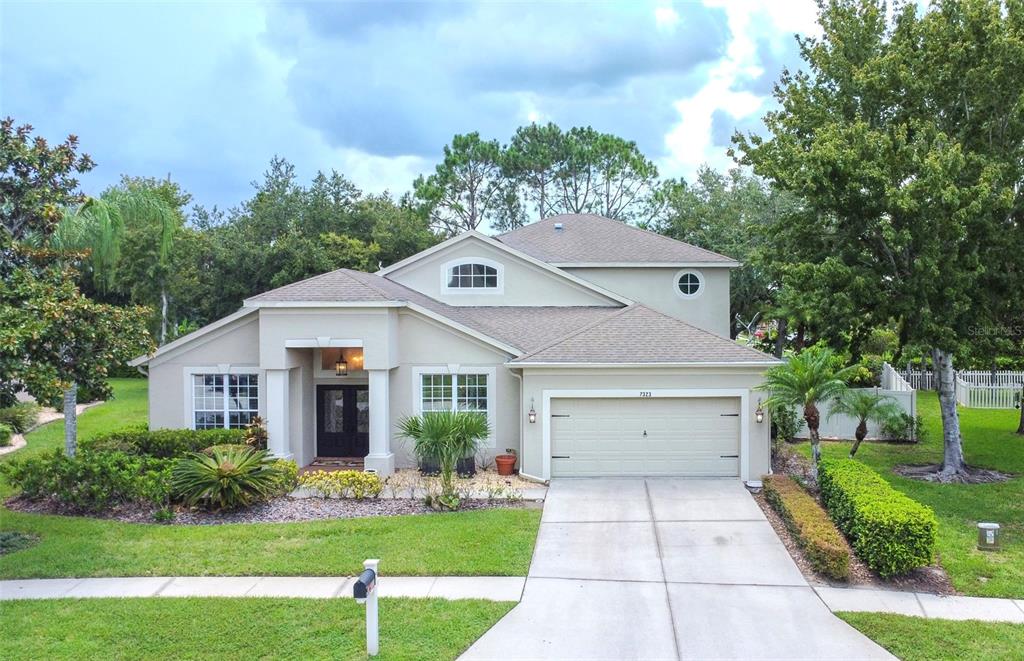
{"x": 342, "y": 421}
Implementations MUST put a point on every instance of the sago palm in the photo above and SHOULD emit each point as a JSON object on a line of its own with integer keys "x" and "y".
{"x": 225, "y": 477}
{"x": 806, "y": 380}
{"x": 865, "y": 406}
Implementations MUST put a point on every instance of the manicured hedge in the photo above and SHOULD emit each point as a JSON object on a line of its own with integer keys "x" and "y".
{"x": 889, "y": 531}
{"x": 162, "y": 443}
{"x": 19, "y": 417}
{"x": 822, "y": 543}
{"x": 5, "y": 434}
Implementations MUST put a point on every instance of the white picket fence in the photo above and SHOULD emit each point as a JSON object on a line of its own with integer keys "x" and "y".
{"x": 893, "y": 380}
{"x": 977, "y": 389}
{"x": 986, "y": 397}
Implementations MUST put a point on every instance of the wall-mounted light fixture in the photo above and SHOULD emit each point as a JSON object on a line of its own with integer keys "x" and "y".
{"x": 341, "y": 367}
{"x": 532, "y": 415}
{"x": 759, "y": 413}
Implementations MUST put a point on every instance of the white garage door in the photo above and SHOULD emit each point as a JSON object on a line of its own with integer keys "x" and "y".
{"x": 649, "y": 436}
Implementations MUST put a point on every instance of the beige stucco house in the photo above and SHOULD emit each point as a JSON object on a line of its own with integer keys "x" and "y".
{"x": 594, "y": 347}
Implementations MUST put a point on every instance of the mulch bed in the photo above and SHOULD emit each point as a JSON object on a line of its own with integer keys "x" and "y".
{"x": 279, "y": 510}
{"x": 931, "y": 579}
{"x": 970, "y": 475}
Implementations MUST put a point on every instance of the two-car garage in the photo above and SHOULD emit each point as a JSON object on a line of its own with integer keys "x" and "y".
{"x": 645, "y": 434}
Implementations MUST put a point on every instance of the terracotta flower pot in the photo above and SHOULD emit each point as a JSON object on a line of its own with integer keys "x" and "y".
{"x": 506, "y": 464}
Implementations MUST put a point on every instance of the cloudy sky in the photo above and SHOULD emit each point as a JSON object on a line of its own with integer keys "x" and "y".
{"x": 208, "y": 92}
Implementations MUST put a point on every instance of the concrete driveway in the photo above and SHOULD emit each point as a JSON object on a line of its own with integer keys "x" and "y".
{"x": 664, "y": 568}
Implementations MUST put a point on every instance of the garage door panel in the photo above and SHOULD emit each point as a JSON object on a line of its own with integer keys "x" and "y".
{"x": 656, "y": 436}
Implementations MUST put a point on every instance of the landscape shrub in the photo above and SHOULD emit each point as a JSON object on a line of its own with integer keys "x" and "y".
{"x": 19, "y": 417}
{"x": 889, "y": 531}
{"x": 161, "y": 443}
{"x": 343, "y": 484}
{"x": 288, "y": 476}
{"x": 822, "y": 543}
{"x": 90, "y": 481}
{"x": 226, "y": 478}
{"x": 903, "y": 427}
{"x": 5, "y": 435}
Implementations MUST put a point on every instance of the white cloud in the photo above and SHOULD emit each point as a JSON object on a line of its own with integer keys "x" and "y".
{"x": 666, "y": 18}
{"x": 690, "y": 142}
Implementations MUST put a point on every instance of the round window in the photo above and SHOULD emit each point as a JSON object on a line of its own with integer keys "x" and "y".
{"x": 689, "y": 284}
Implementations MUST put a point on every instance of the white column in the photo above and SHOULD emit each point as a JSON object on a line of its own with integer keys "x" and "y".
{"x": 380, "y": 459}
{"x": 278, "y": 407}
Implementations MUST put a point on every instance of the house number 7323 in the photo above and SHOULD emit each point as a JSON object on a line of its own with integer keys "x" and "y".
{"x": 646, "y": 393}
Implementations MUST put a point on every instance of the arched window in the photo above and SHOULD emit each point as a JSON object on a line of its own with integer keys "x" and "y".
{"x": 476, "y": 275}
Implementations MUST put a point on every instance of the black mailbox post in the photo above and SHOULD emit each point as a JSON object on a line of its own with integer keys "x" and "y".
{"x": 365, "y": 584}
{"x": 365, "y": 592}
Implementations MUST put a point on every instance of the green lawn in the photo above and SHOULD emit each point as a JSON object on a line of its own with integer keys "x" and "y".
{"x": 128, "y": 407}
{"x": 495, "y": 542}
{"x": 488, "y": 542}
{"x": 166, "y": 628}
{"x": 989, "y": 442}
{"x": 915, "y": 638}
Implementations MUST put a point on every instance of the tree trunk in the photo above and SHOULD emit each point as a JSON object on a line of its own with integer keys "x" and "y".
{"x": 858, "y": 437}
{"x": 780, "y": 339}
{"x": 813, "y": 419}
{"x": 1020, "y": 427}
{"x": 71, "y": 420}
{"x": 163, "y": 315}
{"x": 801, "y": 337}
{"x": 952, "y": 443}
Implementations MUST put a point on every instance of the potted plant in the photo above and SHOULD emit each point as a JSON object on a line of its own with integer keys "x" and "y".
{"x": 445, "y": 437}
{"x": 506, "y": 462}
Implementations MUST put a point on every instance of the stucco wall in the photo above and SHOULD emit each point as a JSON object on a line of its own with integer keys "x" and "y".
{"x": 423, "y": 343}
{"x": 236, "y": 345}
{"x": 524, "y": 283}
{"x": 655, "y": 287}
{"x": 537, "y": 380}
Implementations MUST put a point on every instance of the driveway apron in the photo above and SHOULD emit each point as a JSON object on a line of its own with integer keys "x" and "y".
{"x": 665, "y": 568}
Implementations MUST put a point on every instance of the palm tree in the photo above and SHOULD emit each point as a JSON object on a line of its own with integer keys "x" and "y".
{"x": 98, "y": 227}
{"x": 806, "y": 380}
{"x": 446, "y": 437}
{"x": 864, "y": 405}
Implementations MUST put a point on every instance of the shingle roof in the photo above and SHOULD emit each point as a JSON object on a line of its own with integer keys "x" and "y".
{"x": 637, "y": 335}
{"x": 526, "y": 328}
{"x": 592, "y": 239}
{"x": 340, "y": 285}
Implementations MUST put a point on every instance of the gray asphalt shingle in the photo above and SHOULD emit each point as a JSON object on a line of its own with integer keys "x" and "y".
{"x": 592, "y": 239}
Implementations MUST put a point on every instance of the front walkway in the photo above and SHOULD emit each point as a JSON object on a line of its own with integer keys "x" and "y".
{"x": 665, "y": 569}
{"x": 493, "y": 588}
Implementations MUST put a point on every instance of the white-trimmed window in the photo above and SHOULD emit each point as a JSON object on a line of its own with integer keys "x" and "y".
{"x": 466, "y": 389}
{"x": 228, "y": 401}
{"x": 472, "y": 275}
{"x": 689, "y": 283}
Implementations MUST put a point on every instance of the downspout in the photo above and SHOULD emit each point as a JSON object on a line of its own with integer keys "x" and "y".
{"x": 522, "y": 446}
{"x": 142, "y": 370}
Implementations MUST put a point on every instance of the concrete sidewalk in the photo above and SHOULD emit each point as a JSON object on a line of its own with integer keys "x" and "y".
{"x": 922, "y": 604}
{"x": 493, "y": 588}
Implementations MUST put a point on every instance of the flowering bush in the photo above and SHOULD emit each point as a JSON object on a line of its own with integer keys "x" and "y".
{"x": 342, "y": 484}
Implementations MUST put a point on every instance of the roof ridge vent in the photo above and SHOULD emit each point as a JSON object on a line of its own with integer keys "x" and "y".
{"x": 559, "y": 227}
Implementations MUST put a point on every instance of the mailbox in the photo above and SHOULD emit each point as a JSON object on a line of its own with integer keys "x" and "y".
{"x": 364, "y": 585}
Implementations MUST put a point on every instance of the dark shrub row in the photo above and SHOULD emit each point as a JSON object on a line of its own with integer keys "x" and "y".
{"x": 822, "y": 543}
{"x": 889, "y": 531}
{"x": 91, "y": 481}
{"x": 162, "y": 443}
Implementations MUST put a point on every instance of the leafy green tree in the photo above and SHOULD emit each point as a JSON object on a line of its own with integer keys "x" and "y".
{"x": 906, "y": 139}
{"x": 54, "y": 340}
{"x": 129, "y": 234}
{"x": 864, "y": 406}
{"x": 37, "y": 181}
{"x": 806, "y": 380}
{"x": 532, "y": 161}
{"x": 466, "y": 188}
{"x": 730, "y": 214}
